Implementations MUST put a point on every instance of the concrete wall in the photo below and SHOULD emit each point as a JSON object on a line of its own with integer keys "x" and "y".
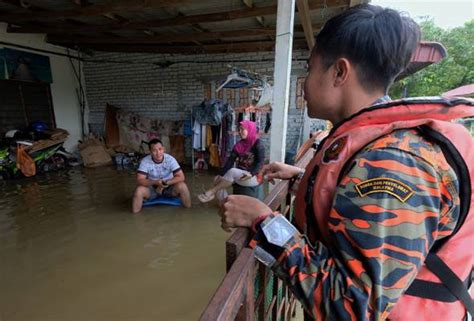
{"x": 63, "y": 88}
{"x": 140, "y": 83}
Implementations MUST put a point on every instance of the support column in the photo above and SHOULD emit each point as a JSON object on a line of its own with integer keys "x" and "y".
{"x": 281, "y": 76}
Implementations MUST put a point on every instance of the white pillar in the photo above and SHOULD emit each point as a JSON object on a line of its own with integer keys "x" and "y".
{"x": 281, "y": 76}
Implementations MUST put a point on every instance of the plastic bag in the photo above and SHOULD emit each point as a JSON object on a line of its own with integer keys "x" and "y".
{"x": 24, "y": 162}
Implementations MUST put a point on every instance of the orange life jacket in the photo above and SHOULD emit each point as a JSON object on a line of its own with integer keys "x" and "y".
{"x": 428, "y": 297}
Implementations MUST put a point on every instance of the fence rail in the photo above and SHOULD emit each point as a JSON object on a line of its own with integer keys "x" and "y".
{"x": 250, "y": 291}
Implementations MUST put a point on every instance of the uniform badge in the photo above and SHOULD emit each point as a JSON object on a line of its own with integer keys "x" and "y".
{"x": 332, "y": 153}
{"x": 385, "y": 185}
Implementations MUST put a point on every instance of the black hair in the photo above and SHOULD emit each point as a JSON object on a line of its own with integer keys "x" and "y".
{"x": 378, "y": 41}
{"x": 154, "y": 141}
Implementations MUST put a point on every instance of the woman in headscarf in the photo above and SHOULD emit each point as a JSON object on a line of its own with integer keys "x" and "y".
{"x": 248, "y": 156}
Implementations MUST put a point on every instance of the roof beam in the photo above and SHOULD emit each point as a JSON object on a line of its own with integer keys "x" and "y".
{"x": 111, "y": 16}
{"x": 92, "y": 10}
{"x": 82, "y": 3}
{"x": 356, "y": 2}
{"x": 249, "y": 3}
{"x": 315, "y": 27}
{"x": 177, "y": 21}
{"x": 303, "y": 11}
{"x": 254, "y": 46}
{"x": 161, "y": 39}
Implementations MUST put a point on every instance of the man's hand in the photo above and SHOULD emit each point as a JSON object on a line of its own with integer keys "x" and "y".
{"x": 158, "y": 185}
{"x": 280, "y": 170}
{"x": 241, "y": 211}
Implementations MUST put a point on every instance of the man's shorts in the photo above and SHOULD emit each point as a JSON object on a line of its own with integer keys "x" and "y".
{"x": 167, "y": 192}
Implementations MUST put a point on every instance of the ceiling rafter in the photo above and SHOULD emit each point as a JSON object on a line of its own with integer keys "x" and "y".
{"x": 176, "y": 21}
{"x": 192, "y": 49}
{"x": 303, "y": 12}
{"x": 260, "y": 19}
{"x": 162, "y": 39}
{"x": 176, "y": 13}
{"x": 92, "y": 10}
{"x": 110, "y": 16}
{"x": 22, "y": 5}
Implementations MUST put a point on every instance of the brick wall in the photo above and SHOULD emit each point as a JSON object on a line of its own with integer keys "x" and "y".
{"x": 167, "y": 86}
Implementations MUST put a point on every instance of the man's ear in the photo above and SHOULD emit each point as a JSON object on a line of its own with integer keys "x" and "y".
{"x": 342, "y": 70}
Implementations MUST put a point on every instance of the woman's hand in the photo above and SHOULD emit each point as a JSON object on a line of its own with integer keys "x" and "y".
{"x": 245, "y": 177}
{"x": 280, "y": 170}
{"x": 241, "y": 211}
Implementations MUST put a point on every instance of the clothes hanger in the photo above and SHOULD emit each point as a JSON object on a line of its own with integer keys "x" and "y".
{"x": 236, "y": 81}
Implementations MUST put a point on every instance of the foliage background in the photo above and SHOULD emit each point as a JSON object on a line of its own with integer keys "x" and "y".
{"x": 455, "y": 70}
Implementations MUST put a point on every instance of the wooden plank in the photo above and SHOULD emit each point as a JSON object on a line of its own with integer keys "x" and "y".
{"x": 316, "y": 27}
{"x": 356, "y": 2}
{"x": 260, "y": 19}
{"x": 250, "y": 295}
{"x": 303, "y": 12}
{"x": 277, "y": 283}
{"x": 176, "y": 21}
{"x": 22, "y": 5}
{"x": 93, "y": 10}
{"x": 281, "y": 307}
{"x": 241, "y": 315}
{"x": 262, "y": 272}
{"x": 234, "y": 245}
{"x": 248, "y": 3}
{"x": 226, "y": 302}
{"x": 268, "y": 313}
{"x": 112, "y": 135}
{"x": 162, "y": 39}
{"x": 214, "y": 48}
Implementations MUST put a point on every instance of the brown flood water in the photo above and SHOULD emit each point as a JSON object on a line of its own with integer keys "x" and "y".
{"x": 70, "y": 249}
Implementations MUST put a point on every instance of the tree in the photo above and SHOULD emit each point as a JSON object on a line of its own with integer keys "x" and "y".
{"x": 455, "y": 70}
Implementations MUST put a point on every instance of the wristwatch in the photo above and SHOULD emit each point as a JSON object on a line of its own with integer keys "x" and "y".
{"x": 277, "y": 231}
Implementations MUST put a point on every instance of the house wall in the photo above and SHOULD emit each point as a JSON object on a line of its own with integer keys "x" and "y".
{"x": 146, "y": 84}
{"x": 63, "y": 89}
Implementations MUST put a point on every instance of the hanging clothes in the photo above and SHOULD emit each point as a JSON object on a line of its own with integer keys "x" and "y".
{"x": 268, "y": 122}
{"x": 177, "y": 147}
{"x": 197, "y": 136}
{"x": 214, "y": 156}
{"x": 208, "y": 136}
{"x": 203, "y": 137}
{"x": 210, "y": 112}
{"x": 216, "y": 130}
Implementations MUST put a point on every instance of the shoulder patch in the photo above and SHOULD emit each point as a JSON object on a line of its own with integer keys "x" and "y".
{"x": 332, "y": 152}
{"x": 385, "y": 185}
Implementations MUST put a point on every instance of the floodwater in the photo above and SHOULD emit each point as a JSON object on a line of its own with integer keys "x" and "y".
{"x": 70, "y": 249}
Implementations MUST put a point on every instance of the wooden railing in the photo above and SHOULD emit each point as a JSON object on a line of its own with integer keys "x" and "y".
{"x": 250, "y": 291}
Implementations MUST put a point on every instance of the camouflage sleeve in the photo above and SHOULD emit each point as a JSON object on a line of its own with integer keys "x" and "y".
{"x": 388, "y": 210}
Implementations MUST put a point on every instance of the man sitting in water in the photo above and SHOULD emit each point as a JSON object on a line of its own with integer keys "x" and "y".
{"x": 159, "y": 174}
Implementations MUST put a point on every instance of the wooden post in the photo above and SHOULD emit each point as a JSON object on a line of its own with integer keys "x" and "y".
{"x": 281, "y": 91}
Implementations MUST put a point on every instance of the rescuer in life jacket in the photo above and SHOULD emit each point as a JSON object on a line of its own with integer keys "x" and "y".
{"x": 383, "y": 226}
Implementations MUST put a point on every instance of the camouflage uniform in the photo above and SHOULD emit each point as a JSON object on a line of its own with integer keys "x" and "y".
{"x": 379, "y": 239}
